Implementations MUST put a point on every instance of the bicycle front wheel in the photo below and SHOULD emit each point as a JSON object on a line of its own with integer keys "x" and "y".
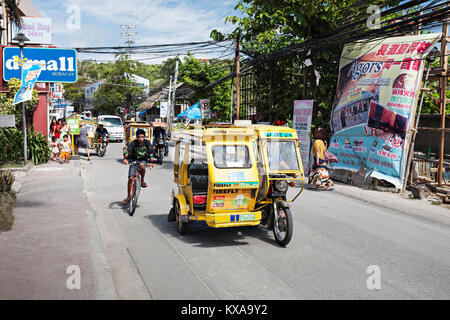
{"x": 134, "y": 197}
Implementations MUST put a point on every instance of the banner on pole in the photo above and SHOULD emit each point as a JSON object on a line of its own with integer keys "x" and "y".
{"x": 376, "y": 97}
{"x": 302, "y": 123}
{"x": 30, "y": 74}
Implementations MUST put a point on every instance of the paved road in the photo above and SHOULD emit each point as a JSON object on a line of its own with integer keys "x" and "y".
{"x": 336, "y": 238}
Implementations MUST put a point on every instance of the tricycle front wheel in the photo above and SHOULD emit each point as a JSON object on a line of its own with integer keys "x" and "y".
{"x": 284, "y": 228}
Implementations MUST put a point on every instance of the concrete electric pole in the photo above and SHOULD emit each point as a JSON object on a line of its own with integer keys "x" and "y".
{"x": 172, "y": 105}
{"x": 169, "y": 103}
{"x": 128, "y": 34}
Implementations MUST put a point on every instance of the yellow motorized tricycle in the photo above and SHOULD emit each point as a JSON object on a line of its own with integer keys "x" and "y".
{"x": 132, "y": 126}
{"x": 226, "y": 176}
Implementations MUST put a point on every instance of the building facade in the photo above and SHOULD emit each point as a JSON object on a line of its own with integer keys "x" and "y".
{"x": 40, "y": 116}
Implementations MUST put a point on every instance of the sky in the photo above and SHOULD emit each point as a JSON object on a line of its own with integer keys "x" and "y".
{"x": 91, "y": 23}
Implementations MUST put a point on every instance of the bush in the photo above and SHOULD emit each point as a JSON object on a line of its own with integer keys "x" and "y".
{"x": 11, "y": 146}
{"x": 7, "y": 200}
{"x": 7, "y": 203}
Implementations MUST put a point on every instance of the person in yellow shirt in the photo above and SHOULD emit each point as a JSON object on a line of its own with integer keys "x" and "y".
{"x": 319, "y": 171}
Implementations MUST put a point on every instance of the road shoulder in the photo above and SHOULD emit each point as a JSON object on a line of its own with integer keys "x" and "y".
{"x": 127, "y": 280}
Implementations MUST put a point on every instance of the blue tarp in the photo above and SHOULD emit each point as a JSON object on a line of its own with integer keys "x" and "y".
{"x": 193, "y": 112}
{"x": 142, "y": 113}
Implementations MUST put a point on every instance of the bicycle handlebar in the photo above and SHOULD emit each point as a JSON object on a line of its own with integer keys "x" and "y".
{"x": 137, "y": 162}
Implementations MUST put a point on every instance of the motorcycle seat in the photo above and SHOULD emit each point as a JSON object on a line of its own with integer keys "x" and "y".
{"x": 198, "y": 174}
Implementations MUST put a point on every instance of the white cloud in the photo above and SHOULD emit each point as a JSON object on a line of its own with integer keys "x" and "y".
{"x": 157, "y": 21}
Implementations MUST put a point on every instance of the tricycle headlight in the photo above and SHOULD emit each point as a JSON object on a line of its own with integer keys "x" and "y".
{"x": 281, "y": 185}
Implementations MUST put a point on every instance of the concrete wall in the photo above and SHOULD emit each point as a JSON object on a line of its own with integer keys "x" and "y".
{"x": 40, "y": 118}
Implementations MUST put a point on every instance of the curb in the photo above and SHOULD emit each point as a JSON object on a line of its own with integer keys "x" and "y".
{"x": 16, "y": 186}
{"x": 26, "y": 168}
{"x": 387, "y": 205}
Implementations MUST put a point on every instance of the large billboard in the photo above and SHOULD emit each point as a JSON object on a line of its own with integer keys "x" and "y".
{"x": 376, "y": 96}
{"x": 60, "y": 65}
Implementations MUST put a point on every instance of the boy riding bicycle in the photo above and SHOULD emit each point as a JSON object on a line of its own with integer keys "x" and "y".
{"x": 139, "y": 150}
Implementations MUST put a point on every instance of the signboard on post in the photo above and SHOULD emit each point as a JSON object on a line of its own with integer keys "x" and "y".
{"x": 302, "y": 123}
{"x": 204, "y": 106}
{"x": 163, "y": 109}
{"x": 55, "y": 94}
{"x": 375, "y": 103}
{"x": 60, "y": 65}
{"x": 74, "y": 124}
{"x": 38, "y": 30}
{"x": 7, "y": 121}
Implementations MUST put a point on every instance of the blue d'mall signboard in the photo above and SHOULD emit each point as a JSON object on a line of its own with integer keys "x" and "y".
{"x": 60, "y": 64}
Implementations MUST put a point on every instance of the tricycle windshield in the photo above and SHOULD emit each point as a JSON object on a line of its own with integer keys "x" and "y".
{"x": 231, "y": 156}
{"x": 282, "y": 155}
{"x": 134, "y": 129}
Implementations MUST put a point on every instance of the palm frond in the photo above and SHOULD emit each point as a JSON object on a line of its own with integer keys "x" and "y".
{"x": 13, "y": 11}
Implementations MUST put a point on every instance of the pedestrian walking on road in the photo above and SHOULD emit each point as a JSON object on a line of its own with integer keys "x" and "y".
{"x": 82, "y": 141}
{"x": 319, "y": 173}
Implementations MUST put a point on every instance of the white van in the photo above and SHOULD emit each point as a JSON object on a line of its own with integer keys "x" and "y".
{"x": 114, "y": 126}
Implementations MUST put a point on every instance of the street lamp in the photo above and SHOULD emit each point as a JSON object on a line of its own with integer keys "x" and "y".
{"x": 21, "y": 38}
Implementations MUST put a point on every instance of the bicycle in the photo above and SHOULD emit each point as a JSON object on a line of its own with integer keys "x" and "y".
{"x": 135, "y": 188}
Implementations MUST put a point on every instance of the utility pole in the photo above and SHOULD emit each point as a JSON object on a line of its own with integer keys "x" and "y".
{"x": 172, "y": 107}
{"x": 128, "y": 34}
{"x": 238, "y": 80}
{"x": 21, "y": 38}
{"x": 443, "y": 95}
{"x": 232, "y": 99}
{"x": 169, "y": 103}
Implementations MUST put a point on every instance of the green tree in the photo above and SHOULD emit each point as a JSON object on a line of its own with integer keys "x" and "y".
{"x": 430, "y": 104}
{"x": 75, "y": 92}
{"x": 268, "y": 26}
{"x": 197, "y": 74}
{"x": 119, "y": 89}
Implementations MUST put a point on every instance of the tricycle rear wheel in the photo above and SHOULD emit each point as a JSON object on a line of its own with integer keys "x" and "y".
{"x": 181, "y": 226}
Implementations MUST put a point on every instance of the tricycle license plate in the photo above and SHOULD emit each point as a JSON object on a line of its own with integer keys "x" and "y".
{"x": 247, "y": 217}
